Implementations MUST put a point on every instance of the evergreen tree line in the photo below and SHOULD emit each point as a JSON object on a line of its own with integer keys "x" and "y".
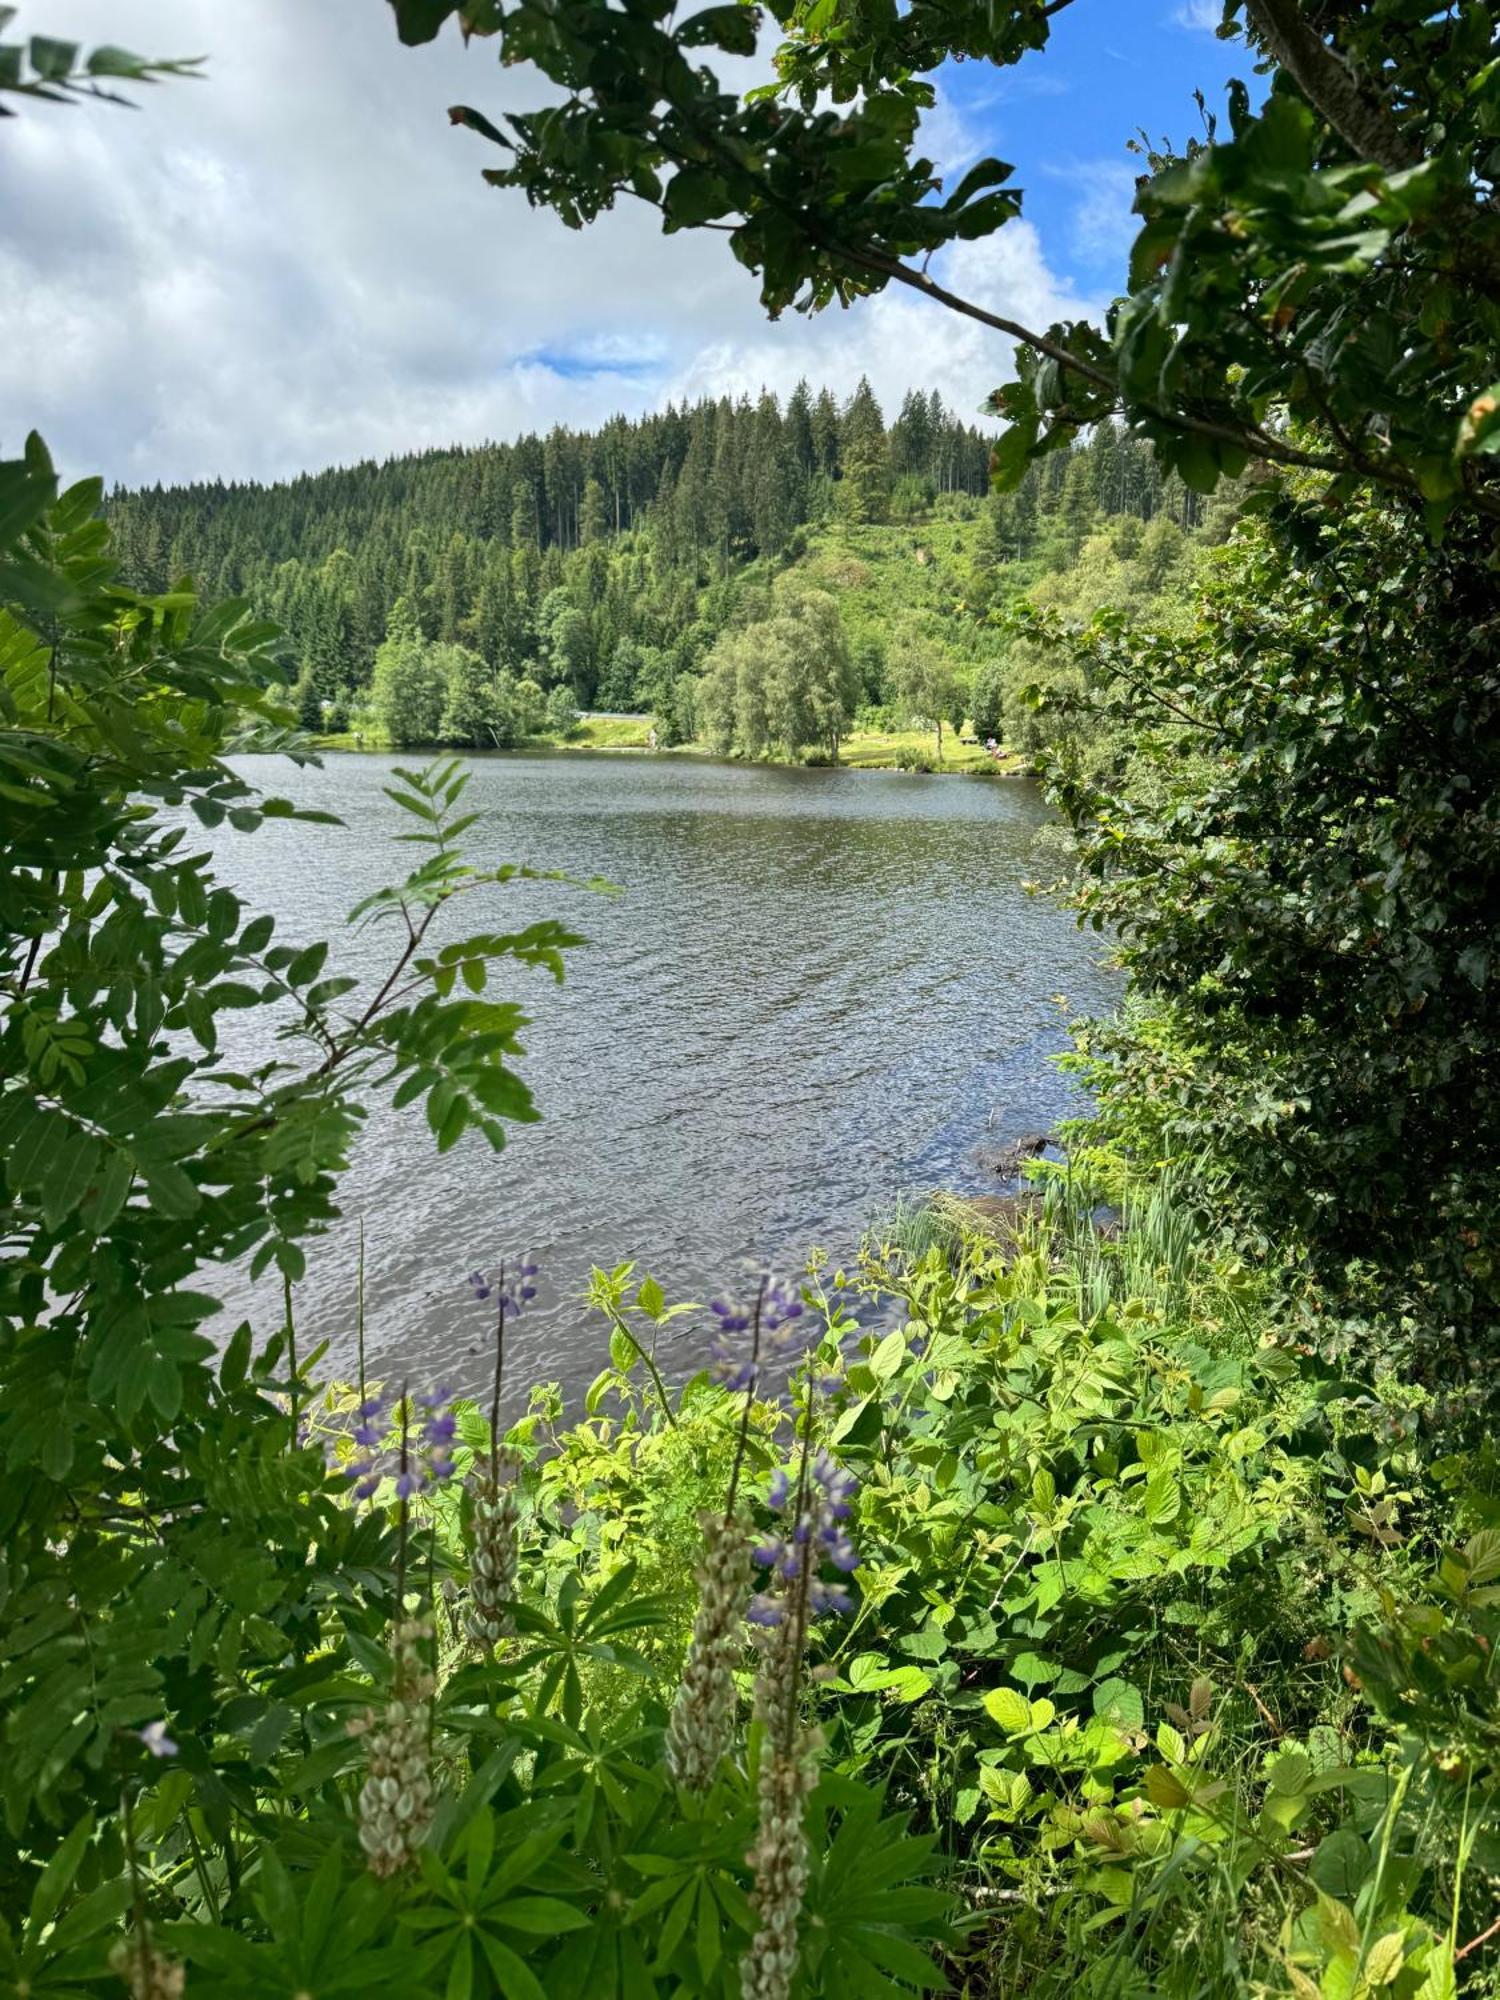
{"x": 602, "y": 564}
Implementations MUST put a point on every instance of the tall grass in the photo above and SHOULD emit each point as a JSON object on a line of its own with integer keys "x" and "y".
{"x": 1105, "y": 1242}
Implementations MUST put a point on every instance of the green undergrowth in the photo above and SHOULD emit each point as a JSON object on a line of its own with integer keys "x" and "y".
{"x": 1178, "y": 1652}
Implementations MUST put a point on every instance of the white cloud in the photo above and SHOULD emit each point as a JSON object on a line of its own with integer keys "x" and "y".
{"x": 1103, "y": 223}
{"x": 900, "y": 340}
{"x": 1205, "y": 15}
{"x": 295, "y": 263}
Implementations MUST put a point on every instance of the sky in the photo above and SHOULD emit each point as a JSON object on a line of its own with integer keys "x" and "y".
{"x": 294, "y": 263}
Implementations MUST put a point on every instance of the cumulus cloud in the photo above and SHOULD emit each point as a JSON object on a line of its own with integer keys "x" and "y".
{"x": 900, "y": 340}
{"x": 295, "y": 263}
{"x": 1103, "y": 224}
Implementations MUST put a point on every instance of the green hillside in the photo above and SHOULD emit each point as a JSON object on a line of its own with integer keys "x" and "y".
{"x": 675, "y": 568}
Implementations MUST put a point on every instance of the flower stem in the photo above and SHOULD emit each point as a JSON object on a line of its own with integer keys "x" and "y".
{"x": 745, "y": 1414}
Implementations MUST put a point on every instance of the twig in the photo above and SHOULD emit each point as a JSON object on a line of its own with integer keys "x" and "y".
{"x": 1271, "y": 1721}
{"x": 359, "y": 1312}
{"x": 1474, "y": 1943}
{"x": 654, "y": 1371}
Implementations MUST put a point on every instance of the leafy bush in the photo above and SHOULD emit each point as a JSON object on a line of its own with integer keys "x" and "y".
{"x": 1311, "y": 891}
{"x": 562, "y": 711}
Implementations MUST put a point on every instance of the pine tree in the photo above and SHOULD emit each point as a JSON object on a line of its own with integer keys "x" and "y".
{"x": 593, "y": 517}
{"x": 308, "y": 703}
{"x": 798, "y": 425}
{"x": 825, "y": 435}
{"x": 1079, "y": 509}
{"x": 912, "y": 440}
{"x": 865, "y": 459}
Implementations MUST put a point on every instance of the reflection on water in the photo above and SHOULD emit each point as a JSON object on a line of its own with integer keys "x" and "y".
{"x": 817, "y": 989}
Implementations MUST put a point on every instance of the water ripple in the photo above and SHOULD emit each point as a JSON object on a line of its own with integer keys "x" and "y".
{"x": 817, "y": 989}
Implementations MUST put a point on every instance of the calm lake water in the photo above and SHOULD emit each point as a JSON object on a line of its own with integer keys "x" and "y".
{"x": 817, "y": 989}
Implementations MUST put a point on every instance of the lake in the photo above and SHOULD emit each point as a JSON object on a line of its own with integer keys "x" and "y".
{"x": 817, "y": 990}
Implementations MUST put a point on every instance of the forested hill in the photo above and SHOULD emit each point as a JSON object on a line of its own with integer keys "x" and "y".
{"x": 720, "y": 481}
{"x": 603, "y": 562}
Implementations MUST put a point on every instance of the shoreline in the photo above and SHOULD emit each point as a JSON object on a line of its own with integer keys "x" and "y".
{"x": 868, "y": 754}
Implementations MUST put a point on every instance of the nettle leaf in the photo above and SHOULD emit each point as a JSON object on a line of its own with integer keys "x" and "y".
{"x": 1162, "y": 1499}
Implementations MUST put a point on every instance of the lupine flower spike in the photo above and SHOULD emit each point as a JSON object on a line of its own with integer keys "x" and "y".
{"x": 147, "y": 1973}
{"x": 701, "y": 1730}
{"x": 397, "y": 1799}
{"x": 493, "y": 1513}
{"x": 771, "y": 1319}
{"x": 814, "y": 1508}
{"x": 411, "y": 1465}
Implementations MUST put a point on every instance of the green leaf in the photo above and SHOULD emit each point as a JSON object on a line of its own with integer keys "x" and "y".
{"x": 1342, "y": 1864}
{"x": 694, "y": 196}
{"x": 53, "y": 59}
{"x": 1162, "y": 1499}
{"x": 56, "y": 1879}
{"x": 890, "y": 1352}
{"x": 514, "y": 1977}
{"x": 418, "y": 21}
{"x": 1010, "y": 1709}
{"x": 731, "y": 28}
{"x": 171, "y": 1191}
{"x": 1121, "y": 1702}
{"x": 27, "y": 487}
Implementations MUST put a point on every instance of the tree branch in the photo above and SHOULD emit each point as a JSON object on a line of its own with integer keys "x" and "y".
{"x": 1340, "y": 95}
{"x": 892, "y": 267}
{"x": 1259, "y": 443}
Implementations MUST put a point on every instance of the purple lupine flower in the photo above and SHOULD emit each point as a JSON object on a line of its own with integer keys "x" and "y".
{"x": 731, "y": 1315}
{"x": 429, "y": 1454}
{"x": 780, "y": 1305}
{"x": 371, "y": 1427}
{"x": 156, "y": 1740}
{"x": 810, "y": 1535}
{"x": 519, "y": 1290}
{"x": 511, "y": 1287}
{"x": 736, "y": 1375}
{"x": 839, "y": 1487}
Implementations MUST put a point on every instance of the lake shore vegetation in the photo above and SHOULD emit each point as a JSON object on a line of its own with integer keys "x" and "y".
{"x": 1102, "y": 1599}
